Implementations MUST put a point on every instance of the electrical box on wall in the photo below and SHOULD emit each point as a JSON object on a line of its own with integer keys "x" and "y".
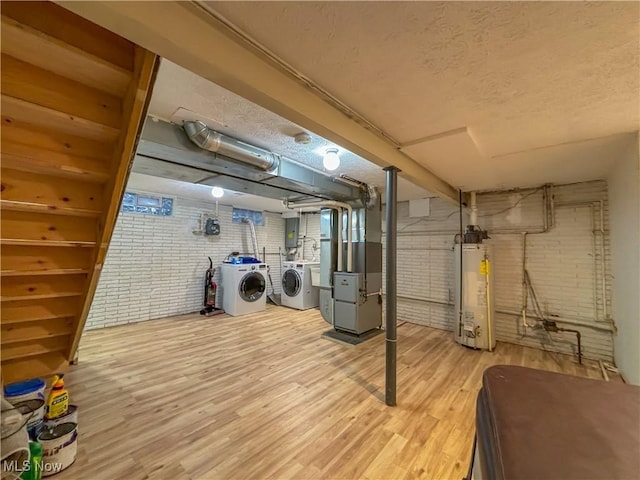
{"x": 211, "y": 226}
{"x": 419, "y": 208}
{"x": 291, "y": 226}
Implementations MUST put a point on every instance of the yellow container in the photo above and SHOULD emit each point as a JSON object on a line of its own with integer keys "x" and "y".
{"x": 58, "y": 401}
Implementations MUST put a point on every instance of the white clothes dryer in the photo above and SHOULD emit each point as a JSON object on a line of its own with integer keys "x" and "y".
{"x": 297, "y": 290}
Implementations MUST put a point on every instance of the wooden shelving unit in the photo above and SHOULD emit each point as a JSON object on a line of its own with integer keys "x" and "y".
{"x": 73, "y": 100}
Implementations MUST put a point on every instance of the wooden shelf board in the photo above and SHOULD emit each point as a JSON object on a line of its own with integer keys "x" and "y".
{"x": 40, "y": 116}
{"x": 49, "y": 53}
{"x": 30, "y": 273}
{"x": 46, "y": 162}
{"x": 36, "y": 318}
{"x": 42, "y": 365}
{"x": 10, "y": 341}
{"x": 43, "y": 208}
{"x": 46, "y": 243}
{"x": 34, "y": 353}
{"x": 40, "y": 297}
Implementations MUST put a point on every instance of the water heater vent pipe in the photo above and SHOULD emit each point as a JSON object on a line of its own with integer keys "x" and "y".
{"x": 473, "y": 217}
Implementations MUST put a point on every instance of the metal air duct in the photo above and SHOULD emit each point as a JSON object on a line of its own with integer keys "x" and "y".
{"x": 185, "y": 153}
{"x": 336, "y": 206}
{"x": 208, "y": 139}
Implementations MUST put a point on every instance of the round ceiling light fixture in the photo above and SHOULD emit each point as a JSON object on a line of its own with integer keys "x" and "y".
{"x": 331, "y": 160}
{"x": 217, "y": 192}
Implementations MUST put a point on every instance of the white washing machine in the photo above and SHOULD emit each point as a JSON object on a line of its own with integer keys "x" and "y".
{"x": 244, "y": 288}
{"x": 297, "y": 291}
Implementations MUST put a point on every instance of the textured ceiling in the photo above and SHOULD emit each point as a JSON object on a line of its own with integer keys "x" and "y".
{"x": 520, "y": 78}
{"x": 179, "y": 95}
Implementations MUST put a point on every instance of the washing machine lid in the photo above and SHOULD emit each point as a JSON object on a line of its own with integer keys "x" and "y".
{"x": 252, "y": 287}
{"x": 291, "y": 283}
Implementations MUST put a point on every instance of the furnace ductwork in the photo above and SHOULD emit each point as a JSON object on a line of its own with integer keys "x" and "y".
{"x": 339, "y": 206}
{"x": 208, "y": 139}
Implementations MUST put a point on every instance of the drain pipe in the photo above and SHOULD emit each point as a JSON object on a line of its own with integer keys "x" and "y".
{"x": 489, "y": 306}
{"x": 340, "y": 254}
{"x": 254, "y": 239}
{"x": 548, "y": 222}
{"x": 339, "y": 206}
{"x": 603, "y": 268}
{"x": 525, "y": 291}
{"x": 550, "y": 326}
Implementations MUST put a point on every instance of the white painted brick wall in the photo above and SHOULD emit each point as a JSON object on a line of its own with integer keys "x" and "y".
{"x": 310, "y": 232}
{"x": 560, "y": 263}
{"x": 155, "y": 265}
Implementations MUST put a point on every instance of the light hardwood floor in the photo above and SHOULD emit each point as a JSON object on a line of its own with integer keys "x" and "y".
{"x": 263, "y": 396}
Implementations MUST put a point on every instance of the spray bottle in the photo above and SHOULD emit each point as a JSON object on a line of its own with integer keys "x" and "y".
{"x": 58, "y": 402}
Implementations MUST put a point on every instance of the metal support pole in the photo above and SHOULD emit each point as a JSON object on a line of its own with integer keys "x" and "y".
{"x": 391, "y": 291}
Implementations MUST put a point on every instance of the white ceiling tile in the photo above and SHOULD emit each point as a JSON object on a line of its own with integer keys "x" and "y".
{"x": 454, "y": 158}
{"x": 519, "y": 75}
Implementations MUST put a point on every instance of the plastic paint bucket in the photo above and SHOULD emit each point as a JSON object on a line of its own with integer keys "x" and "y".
{"x": 15, "y": 450}
{"x": 70, "y": 417}
{"x": 33, "y": 410}
{"x": 30, "y": 390}
{"x": 59, "y": 448}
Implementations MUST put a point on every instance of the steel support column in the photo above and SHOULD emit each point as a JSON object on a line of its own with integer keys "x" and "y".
{"x": 391, "y": 291}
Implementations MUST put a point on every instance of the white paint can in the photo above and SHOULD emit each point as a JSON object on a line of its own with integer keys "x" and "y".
{"x": 33, "y": 413}
{"x": 70, "y": 417}
{"x": 59, "y": 447}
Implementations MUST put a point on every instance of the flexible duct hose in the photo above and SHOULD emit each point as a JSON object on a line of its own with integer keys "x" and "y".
{"x": 254, "y": 239}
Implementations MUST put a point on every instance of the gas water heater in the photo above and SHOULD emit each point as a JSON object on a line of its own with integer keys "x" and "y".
{"x": 474, "y": 320}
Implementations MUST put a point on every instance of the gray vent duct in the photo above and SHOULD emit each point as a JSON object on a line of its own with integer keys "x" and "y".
{"x": 208, "y": 139}
{"x": 197, "y": 154}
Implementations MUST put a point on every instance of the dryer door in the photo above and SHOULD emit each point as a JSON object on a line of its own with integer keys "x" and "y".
{"x": 291, "y": 283}
{"x": 252, "y": 287}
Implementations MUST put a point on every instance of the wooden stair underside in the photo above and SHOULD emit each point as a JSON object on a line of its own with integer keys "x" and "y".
{"x": 73, "y": 97}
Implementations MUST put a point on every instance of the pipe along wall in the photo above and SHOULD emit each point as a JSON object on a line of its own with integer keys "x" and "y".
{"x": 569, "y": 265}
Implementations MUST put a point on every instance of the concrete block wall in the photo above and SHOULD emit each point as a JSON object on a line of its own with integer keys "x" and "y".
{"x": 155, "y": 265}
